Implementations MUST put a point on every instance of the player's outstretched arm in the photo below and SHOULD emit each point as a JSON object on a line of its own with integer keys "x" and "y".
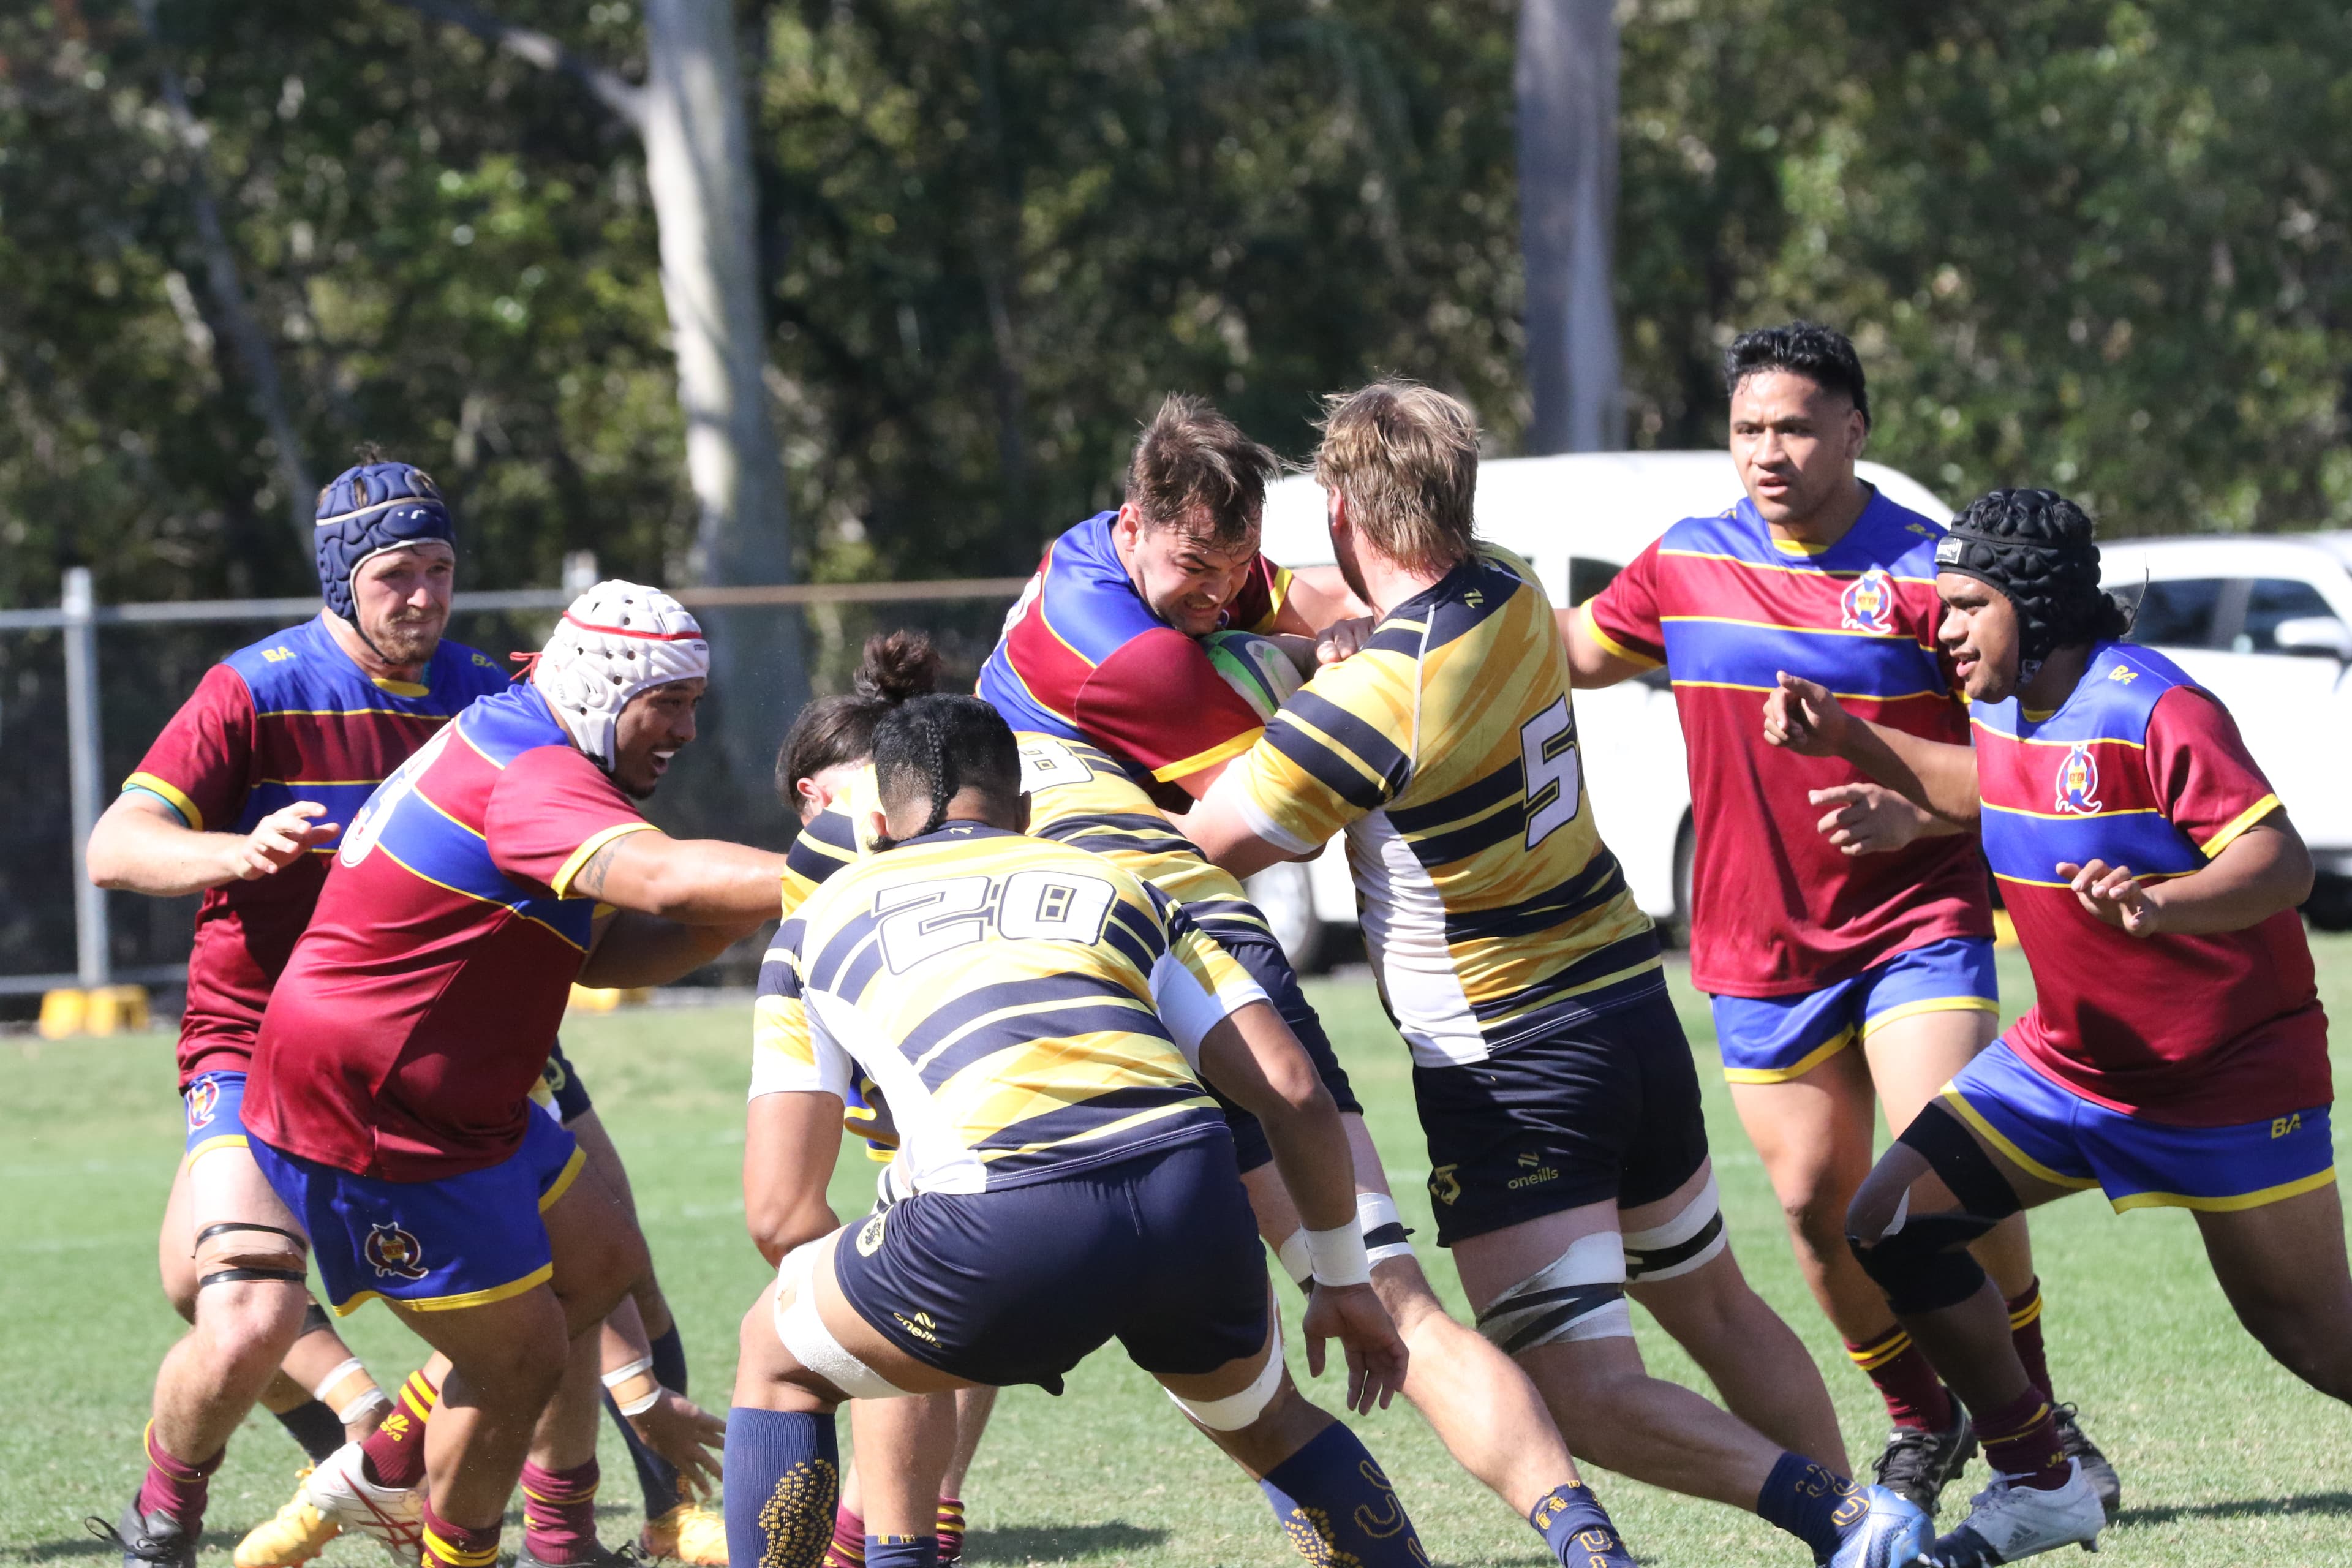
{"x": 648, "y": 949}
{"x": 2264, "y": 870}
{"x": 1254, "y": 1059}
{"x": 141, "y": 846}
{"x": 789, "y": 1142}
{"x": 697, "y": 881}
{"x": 1218, "y": 829}
{"x": 1591, "y": 665}
{"x": 1871, "y": 819}
{"x": 1805, "y": 717}
{"x": 688, "y": 1436}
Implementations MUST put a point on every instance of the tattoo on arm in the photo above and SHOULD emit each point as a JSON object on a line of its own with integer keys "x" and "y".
{"x": 589, "y": 881}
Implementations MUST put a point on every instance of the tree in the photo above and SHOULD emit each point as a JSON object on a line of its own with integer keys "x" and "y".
{"x": 1566, "y": 88}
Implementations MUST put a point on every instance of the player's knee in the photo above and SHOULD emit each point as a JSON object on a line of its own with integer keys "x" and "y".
{"x": 1922, "y": 1261}
{"x": 520, "y": 1370}
{"x": 251, "y": 1314}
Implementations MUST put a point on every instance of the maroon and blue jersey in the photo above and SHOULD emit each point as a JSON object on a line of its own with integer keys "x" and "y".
{"x": 291, "y": 718}
{"x": 412, "y": 1024}
{"x": 1083, "y": 658}
{"x": 1726, "y": 605}
{"x": 2140, "y": 769}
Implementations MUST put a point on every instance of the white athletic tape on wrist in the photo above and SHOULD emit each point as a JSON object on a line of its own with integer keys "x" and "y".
{"x": 1235, "y": 1411}
{"x": 326, "y": 1385}
{"x": 1293, "y": 1256}
{"x": 1339, "y": 1256}
{"x": 638, "y": 1407}
{"x": 368, "y": 1400}
{"x": 621, "y": 1374}
{"x": 1689, "y": 1242}
{"x": 805, "y": 1334}
{"x": 1580, "y": 1295}
{"x": 1385, "y": 1235}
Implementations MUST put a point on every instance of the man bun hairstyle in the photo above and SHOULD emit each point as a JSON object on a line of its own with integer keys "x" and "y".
{"x": 929, "y": 748}
{"x": 1405, "y": 457}
{"x": 833, "y": 731}
{"x": 2036, "y": 548}
{"x": 1194, "y": 469}
{"x": 1822, "y": 355}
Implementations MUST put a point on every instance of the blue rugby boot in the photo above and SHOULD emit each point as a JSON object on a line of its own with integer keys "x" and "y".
{"x": 1879, "y": 1529}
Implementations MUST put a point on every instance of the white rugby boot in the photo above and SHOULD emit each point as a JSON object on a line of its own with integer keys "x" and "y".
{"x": 391, "y": 1516}
{"x": 2005, "y": 1522}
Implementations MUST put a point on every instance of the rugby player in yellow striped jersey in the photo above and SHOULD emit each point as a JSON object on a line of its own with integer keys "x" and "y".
{"x": 1554, "y": 1083}
{"x": 1485, "y": 1409}
{"x": 1041, "y": 1023}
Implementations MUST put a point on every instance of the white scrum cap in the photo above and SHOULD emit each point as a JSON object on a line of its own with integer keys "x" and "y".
{"x": 616, "y": 640}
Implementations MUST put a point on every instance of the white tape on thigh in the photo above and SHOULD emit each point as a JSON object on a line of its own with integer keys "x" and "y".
{"x": 1580, "y": 1295}
{"x": 1690, "y": 1240}
{"x": 811, "y": 1343}
{"x": 1235, "y": 1411}
{"x": 1385, "y": 1235}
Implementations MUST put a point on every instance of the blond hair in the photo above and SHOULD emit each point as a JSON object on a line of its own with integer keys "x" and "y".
{"x": 1405, "y": 457}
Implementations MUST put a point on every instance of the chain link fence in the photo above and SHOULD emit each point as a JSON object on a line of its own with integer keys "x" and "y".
{"x": 84, "y": 688}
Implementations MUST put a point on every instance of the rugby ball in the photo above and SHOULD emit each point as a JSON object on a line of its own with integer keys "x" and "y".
{"x": 1256, "y": 667}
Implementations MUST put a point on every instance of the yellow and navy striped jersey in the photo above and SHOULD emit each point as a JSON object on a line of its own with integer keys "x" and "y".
{"x": 1027, "y": 1009}
{"x": 1446, "y": 749}
{"x": 1079, "y": 795}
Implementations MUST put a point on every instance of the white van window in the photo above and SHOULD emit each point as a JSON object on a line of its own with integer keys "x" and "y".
{"x": 2175, "y": 614}
{"x": 2269, "y": 601}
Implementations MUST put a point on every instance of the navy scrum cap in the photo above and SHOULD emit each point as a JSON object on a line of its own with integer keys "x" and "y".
{"x": 369, "y": 509}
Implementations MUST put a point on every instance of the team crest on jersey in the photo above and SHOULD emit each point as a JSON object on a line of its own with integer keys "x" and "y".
{"x": 2078, "y": 783}
{"x": 203, "y": 1102}
{"x": 393, "y": 1252}
{"x": 1868, "y": 604}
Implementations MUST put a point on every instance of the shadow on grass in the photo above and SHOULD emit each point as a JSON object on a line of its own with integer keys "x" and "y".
{"x": 1057, "y": 1542}
{"x": 2241, "y": 1508}
{"x": 73, "y": 1546}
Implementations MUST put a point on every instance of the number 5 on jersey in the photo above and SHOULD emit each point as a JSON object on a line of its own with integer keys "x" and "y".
{"x": 1555, "y": 786}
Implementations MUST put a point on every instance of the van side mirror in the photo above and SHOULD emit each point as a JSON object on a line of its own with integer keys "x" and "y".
{"x": 2322, "y": 636}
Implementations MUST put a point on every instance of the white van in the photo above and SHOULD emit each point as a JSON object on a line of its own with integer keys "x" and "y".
{"x": 1576, "y": 519}
{"x": 2264, "y": 623}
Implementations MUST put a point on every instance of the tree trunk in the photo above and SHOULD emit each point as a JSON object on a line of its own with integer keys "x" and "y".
{"x": 698, "y": 170}
{"x": 1566, "y": 84}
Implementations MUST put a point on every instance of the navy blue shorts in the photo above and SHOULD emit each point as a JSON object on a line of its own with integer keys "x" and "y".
{"x": 1263, "y": 957}
{"x": 1606, "y": 1108}
{"x": 1021, "y": 1284}
{"x": 560, "y": 1091}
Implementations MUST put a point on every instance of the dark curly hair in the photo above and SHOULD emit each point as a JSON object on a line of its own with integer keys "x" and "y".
{"x": 1822, "y": 355}
{"x": 931, "y": 747}
{"x": 2036, "y": 548}
{"x": 832, "y": 731}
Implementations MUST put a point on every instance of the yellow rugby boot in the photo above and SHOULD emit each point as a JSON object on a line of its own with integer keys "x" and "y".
{"x": 689, "y": 1532}
{"x": 299, "y": 1533}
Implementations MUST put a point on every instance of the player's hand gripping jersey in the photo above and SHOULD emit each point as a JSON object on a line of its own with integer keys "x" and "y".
{"x": 1726, "y": 605}
{"x": 2139, "y": 768}
{"x": 1447, "y": 751}
{"x": 1029, "y": 1010}
{"x": 1083, "y": 658}
{"x": 290, "y": 719}
{"x": 406, "y": 1034}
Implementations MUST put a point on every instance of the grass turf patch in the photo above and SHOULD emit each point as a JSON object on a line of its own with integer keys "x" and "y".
{"x": 2224, "y": 1456}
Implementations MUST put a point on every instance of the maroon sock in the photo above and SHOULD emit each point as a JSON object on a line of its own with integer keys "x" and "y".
{"x": 2025, "y": 1333}
{"x": 848, "y": 1547}
{"x": 174, "y": 1485}
{"x": 1916, "y": 1397}
{"x": 448, "y": 1545}
{"x": 393, "y": 1453}
{"x": 2020, "y": 1441}
{"x": 559, "y": 1513}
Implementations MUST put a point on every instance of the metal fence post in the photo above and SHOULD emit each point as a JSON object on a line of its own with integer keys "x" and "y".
{"x": 93, "y": 952}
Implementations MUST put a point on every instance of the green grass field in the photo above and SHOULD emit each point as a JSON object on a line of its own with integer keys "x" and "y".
{"x": 2224, "y": 1458}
